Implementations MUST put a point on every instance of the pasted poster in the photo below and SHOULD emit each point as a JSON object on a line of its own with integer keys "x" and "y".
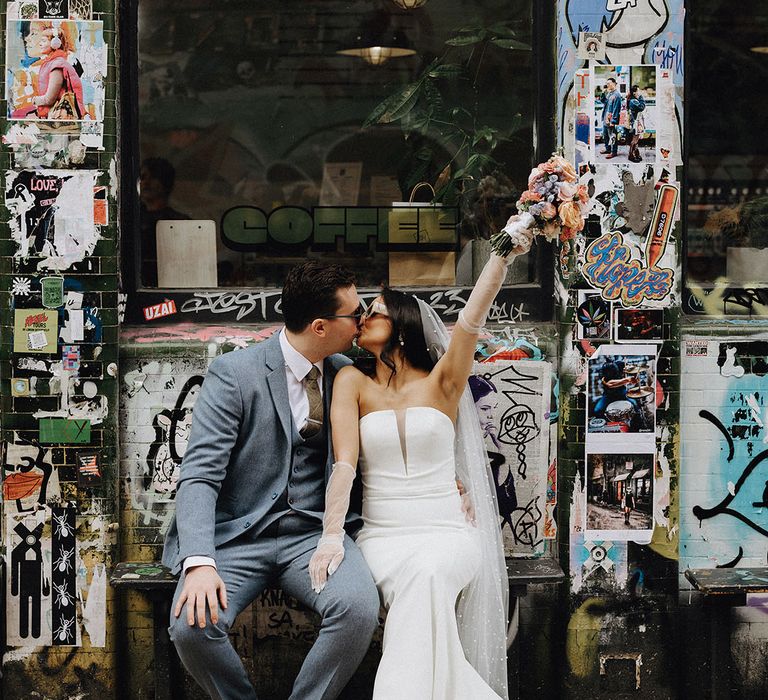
{"x": 619, "y": 496}
{"x": 624, "y": 114}
{"x": 56, "y": 70}
{"x": 64, "y": 576}
{"x": 35, "y": 331}
{"x": 28, "y": 584}
{"x": 52, "y": 215}
{"x": 513, "y": 402}
{"x": 621, "y": 397}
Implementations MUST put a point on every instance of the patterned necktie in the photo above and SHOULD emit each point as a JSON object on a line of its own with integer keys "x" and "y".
{"x": 315, "y": 417}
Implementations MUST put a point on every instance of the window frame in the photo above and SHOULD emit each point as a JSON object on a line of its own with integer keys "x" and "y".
{"x": 523, "y": 303}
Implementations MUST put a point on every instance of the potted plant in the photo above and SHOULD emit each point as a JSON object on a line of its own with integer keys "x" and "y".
{"x": 457, "y": 119}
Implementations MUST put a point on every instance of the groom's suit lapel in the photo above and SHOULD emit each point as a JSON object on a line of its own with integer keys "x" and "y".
{"x": 278, "y": 384}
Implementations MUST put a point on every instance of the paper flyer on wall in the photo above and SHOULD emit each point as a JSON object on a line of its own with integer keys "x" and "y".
{"x": 620, "y": 496}
{"x": 43, "y": 52}
{"x": 52, "y": 215}
{"x": 624, "y": 113}
{"x": 621, "y": 397}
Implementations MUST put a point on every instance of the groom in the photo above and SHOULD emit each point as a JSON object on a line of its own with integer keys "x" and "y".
{"x": 251, "y": 495}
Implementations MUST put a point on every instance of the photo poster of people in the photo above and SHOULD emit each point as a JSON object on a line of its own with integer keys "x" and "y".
{"x": 619, "y": 496}
{"x": 617, "y": 114}
{"x": 513, "y": 400}
{"x": 55, "y": 70}
{"x": 621, "y": 391}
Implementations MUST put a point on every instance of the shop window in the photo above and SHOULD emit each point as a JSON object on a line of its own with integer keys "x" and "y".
{"x": 727, "y": 163}
{"x": 256, "y": 142}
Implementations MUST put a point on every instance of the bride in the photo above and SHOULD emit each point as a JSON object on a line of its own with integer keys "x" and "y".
{"x": 435, "y": 554}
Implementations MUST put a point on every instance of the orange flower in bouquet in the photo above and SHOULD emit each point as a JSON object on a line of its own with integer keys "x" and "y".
{"x": 553, "y": 206}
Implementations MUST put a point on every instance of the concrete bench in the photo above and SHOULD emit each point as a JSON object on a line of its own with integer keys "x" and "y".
{"x": 156, "y": 582}
{"x": 722, "y": 590}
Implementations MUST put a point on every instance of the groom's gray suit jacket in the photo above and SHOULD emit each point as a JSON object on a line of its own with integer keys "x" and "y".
{"x": 240, "y": 453}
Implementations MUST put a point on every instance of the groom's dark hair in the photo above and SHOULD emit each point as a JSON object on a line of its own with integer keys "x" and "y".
{"x": 310, "y": 292}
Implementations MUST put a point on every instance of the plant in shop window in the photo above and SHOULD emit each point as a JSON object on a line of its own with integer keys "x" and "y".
{"x": 447, "y": 113}
{"x": 744, "y": 232}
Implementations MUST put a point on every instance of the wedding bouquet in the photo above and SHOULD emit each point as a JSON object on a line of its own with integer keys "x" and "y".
{"x": 553, "y": 206}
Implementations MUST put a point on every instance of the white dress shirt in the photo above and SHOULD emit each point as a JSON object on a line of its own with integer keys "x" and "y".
{"x": 296, "y": 369}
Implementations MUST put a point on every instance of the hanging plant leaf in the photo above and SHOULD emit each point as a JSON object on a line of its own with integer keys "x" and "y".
{"x": 447, "y": 70}
{"x": 465, "y": 39}
{"x": 395, "y": 106}
{"x": 502, "y": 29}
{"x": 510, "y": 44}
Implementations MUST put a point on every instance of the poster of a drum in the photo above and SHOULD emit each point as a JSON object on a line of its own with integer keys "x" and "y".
{"x": 622, "y": 398}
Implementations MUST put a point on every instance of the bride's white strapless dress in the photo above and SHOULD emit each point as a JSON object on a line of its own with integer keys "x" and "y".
{"x": 421, "y": 551}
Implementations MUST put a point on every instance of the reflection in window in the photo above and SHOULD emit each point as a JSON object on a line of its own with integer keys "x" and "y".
{"x": 727, "y": 215}
{"x": 259, "y": 117}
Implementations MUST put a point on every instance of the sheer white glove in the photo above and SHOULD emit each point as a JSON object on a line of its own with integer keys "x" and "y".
{"x": 330, "y": 548}
{"x": 467, "y": 507}
{"x": 472, "y": 316}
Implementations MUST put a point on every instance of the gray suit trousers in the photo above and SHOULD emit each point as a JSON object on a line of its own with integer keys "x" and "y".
{"x": 348, "y": 605}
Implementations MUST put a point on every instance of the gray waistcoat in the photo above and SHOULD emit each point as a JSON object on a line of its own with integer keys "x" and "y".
{"x": 305, "y": 490}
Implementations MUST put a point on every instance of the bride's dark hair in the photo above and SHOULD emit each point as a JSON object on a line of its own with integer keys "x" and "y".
{"x": 405, "y": 315}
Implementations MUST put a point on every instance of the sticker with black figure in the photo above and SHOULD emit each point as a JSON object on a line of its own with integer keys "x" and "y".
{"x": 64, "y": 576}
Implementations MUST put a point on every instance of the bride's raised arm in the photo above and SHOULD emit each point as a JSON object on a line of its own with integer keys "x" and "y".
{"x": 453, "y": 368}
{"x": 345, "y": 416}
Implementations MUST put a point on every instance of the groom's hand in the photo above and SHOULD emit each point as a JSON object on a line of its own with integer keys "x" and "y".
{"x": 467, "y": 507}
{"x": 202, "y": 584}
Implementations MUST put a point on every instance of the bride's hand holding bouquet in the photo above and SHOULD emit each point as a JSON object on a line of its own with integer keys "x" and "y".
{"x": 554, "y": 206}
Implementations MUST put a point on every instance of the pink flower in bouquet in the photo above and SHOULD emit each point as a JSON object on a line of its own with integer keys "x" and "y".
{"x": 562, "y": 166}
{"x": 529, "y": 196}
{"x": 583, "y": 194}
{"x": 566, "y": 191}
{"x": 548, "y": 211}
{"x": 536, "y": 174}
{"x": 548, "y": 167}
{"x": 570, "y": 215}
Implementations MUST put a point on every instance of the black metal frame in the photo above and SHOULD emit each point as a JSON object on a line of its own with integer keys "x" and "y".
{"x": 259, "y": 305}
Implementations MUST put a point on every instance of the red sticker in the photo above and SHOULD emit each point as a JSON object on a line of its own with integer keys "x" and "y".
{"x": 167, "y": 308}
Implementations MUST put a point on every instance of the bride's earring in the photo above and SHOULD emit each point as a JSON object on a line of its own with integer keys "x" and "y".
{"x": 400, "y": 340}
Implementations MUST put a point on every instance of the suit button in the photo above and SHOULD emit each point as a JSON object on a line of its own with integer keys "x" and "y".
{"x": 290, "y": 500}
{"x": 295, "y": 469}
{"x": 291, "y": 484}
{"x": 247, "y": 524}
{"x": 274, "y": 496}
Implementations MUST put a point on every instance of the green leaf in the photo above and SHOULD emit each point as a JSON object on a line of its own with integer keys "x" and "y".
{"x": 465, "y": 40}
{"x": 510, "y": 44}
{"x": 395, "y": 106}
{"x": 447, "y": 70}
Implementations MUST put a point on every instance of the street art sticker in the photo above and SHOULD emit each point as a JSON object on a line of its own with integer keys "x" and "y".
{"x": 51, "y": 216}
{"x": 56, "y": 70}
{"x": 597, "y": 564}
{"x": 28, "y": 476}
{"x": 633, "y": 262}
{"x": 63, "y": 577}
{"x": 28, "y": 585}
{"x": 35, "y": 331}
{"x": 513, "y": 402}
{"x": 611, "y": 268}
{"x": 724, "y": 471}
